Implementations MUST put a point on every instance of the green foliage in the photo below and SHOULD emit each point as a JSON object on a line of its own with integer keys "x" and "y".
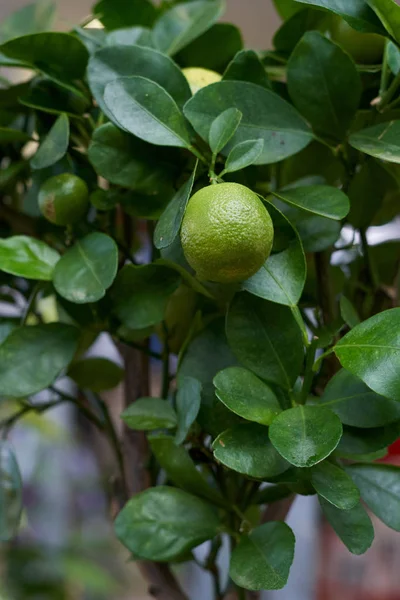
{"x": 251, "y": 387}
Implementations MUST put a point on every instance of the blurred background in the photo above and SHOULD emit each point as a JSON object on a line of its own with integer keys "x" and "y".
{"x": 66, "y": 549}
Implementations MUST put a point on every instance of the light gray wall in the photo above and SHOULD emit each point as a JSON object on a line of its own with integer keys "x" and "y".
{"x": 257, "y": 18}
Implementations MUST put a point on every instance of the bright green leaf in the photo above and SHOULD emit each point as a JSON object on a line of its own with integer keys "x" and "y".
{"x": 243, "y": 155}
{"x": 24, "y": 256}
{"x": 96, "y": 373}
{"x": 322, "y": 200}
{"x": 333, "y": 484}
{"x": 357, "y": 13}
{"x": 389, "y": 14}
{"x": 10, "y": 493}
{"x": 147, "y": 414}
{"x": 353, "y": 526}
{"x": 188, "y": 400}
{"x": 223, "y": 128}
{"x": 54, "y": 146}
{"x": 305, "y": 435}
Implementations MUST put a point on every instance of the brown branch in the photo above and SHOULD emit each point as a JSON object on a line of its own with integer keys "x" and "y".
{"x": 162, "y": 583}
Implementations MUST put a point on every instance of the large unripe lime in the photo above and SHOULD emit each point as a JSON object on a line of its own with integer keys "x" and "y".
{"x": 199, "y": 78}
{"x": 365, "y": 48}
{"x": 63, "y": 199}
{"x": 226, "y": 233}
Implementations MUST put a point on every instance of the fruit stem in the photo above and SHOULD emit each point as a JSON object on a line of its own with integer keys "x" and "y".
{"x": 388, "y": 95}
{"x": 198, "y": 154}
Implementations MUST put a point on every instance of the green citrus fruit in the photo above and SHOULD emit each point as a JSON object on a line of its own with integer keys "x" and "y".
{"x": 226, "y": 233}
{"x": 365, "y": 48}
{"x": 199, "y": 78}
{"x": 63, "y": 199}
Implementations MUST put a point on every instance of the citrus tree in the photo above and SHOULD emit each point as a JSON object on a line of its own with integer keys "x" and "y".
{"x": 161, "y": 182}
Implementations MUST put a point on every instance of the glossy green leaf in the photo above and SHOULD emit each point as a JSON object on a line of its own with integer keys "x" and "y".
{"x": 328, "y": 102}
{"x": 130, "y": 36}
{"x": 32, "y": 18}
{"x": 281, "y": 279}
{"x": 292, "y": 30}
{"x": 180, "y": 468}
{"x": 322, "y": 200}
{"x": 147, "y": 414}
{"x": 115, "y": 14}
{"x": 348, "y": 312}
{"x": 213, "y": 49}
{"x": 246, "y": 395}
{"x": 10, "y": 492}
{"x": 54, "y": 146}
{"x": 181, "y": 24}
{"x": 262, "y": 559}
{"x": 187, "y": 405}
{"x": 162, "y": 523}
{"x": 245, "y": 448}
{"x": 371, "y": 351}
{"x": 141, "y": 294}
{"x": 9, "y": 135}
{"x": 113, "y": 62}
{"x": 356, "y": 404}
{"x": 59, "y": 55}
{"x": 243, "y": 155}
{"x": 145, "y": 109}
{"x": 333, "y": 484}
{"x": 96, "y": 373}
{"x": 31, "y": 358}
{"x": 380, "y": 489}
{"x": 353, "y": 526}
{"x": 356, "y": 442}
{"x": 265, "y": 114}
{"x": 389, "y": 14}
{"x": 223, "y": 128}
{"x": 246, "y": 66}
{"x": 265, "y": 338}
{"x": 393, "y": 57}
{"x": 357, "y": 13}
{"x": 380, "y": 141}
{"x": 87, "y": 269}
{"x": 170, "y": 221}
{"x": 25, "y": 256}
{"x": 126, "y": 160}
{"x": 305, "y": 435}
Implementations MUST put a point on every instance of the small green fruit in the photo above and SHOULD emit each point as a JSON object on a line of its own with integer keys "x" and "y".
{"x": 365, "y": 48}
{"x": 63, "y": 199}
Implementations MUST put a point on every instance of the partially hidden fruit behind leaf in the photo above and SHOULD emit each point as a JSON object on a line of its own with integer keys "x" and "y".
{"x": 63, "y": 199}
{"x": 227, "y": 233}
{"x": 199, "y": 78}
{"x": 365, "y": 48}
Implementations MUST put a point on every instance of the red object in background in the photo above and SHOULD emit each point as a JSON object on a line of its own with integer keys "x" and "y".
{"x": 394, "y": 449}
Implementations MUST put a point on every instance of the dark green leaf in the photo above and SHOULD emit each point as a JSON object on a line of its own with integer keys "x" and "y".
{"x": 266, "y": 339}
{"x": 145, "y": 109}
{"x": 182, "y": 24}
{"x": 180, "y": 468}
{"x": 130, "y": 36}
{"x": 380, "y": 489}
{"x": 87, "y": 269}
{"x": 60, "y": 55}
{"x": 243, "y": 155}
{"x": 246, "y": 66}
{"x": 380, "y": 141}
{"x": 356, "y": 404}
{"x": 223, "y": 128}
{"x": 328, "y": 102}
{"x": 10, "y": 493}
{"x": 358, "y": 442}
{"x": 357, "y": 13}
{"x": 10, "y": 173}
{"x": 162, "y": 523}
{"x": 170, "y": 222}
{"x": 281, "y": 279}
{"x": 322, "y": 200}
{"x": 367, "y": 191}
{"x": 371, "y": 351}
{"x": 246, "y": 395}
{"x": 286, "y": 8}
{"x": 45, "y": 95}
{"x": 214, "y": 49}
{"x": 352, "y": 526}
{"x": 24, "y": 256}
{"x": 188, "y": 400}
{"x": 305, "y": 435}
{"x": 292, "y": 30}
{"x": 113, "y": 62}
{"x": 54, "y": 146}
{"x": 348, "y": 312}
{"x": 272, "y": 493}
{"x": 115, "y": 14}
{"x": 247, "y": 449}
{"x": 262, "y": 559}
{"x": 141, "y": 294}
{"x": 274, "y": 120}
{"x": 31, "y": 358}
{"x": 389, "y": 14}
{"x": 333, "y": 484}
{"x": 125, "y": 160}
{"x": 96, "y": 373}
{"x": 9, "y": 136}
{"x": 149, "y": 413}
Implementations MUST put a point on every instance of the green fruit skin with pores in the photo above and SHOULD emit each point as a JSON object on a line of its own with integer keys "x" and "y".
{"x": 365, "y": 48}
{"x": 64, "y": 199}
